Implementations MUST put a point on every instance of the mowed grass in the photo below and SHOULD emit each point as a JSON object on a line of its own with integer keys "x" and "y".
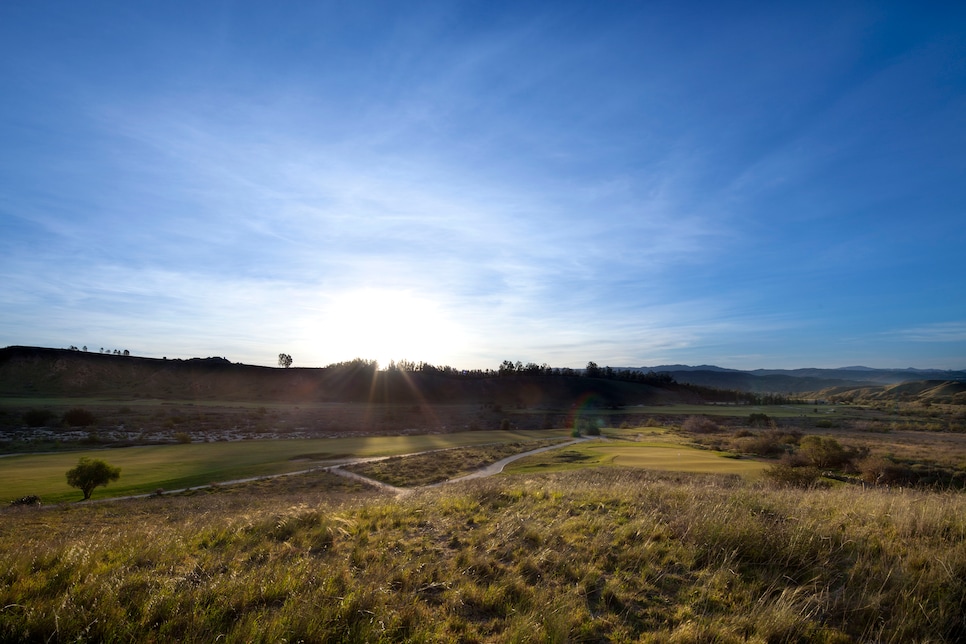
{"x": 145, "y": 469}
{"x": 647, "y": 455}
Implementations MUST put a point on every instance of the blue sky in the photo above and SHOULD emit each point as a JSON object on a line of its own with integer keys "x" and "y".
{"x": 743, "y": 184}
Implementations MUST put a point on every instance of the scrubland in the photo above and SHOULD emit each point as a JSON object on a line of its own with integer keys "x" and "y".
{"x": 600, "y": 554}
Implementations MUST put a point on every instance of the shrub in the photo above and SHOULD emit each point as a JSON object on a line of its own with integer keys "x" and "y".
{"x": 32, "y": 499}
{"x": 770, "y": 443}
{"x": 785, "y": 475}
{"x": 880, "y": 470}
{"x": 759, "y": 420}
{"x": 78, "y": 417}
{"x": 182, "y": 437}
{"x": 823, "y": 452}
{"x": 588, "y": 426}
{"x": 700, "y": 425}
{"x": 37, "y": 417}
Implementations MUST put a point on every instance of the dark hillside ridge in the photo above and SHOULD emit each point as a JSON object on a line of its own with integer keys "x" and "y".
{"x": 45, "y": 372}
{"x": 800, "y": 381}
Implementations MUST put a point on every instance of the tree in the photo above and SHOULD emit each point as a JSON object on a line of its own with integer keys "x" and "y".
{"x": 284, "y": 360}
{"x": 91, "y": 473}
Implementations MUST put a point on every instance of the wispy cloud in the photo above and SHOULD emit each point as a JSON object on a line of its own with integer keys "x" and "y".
{"x": 937, "y": 332}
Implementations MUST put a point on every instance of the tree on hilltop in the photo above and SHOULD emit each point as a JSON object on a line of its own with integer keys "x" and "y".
{"x": 284, "y": 360}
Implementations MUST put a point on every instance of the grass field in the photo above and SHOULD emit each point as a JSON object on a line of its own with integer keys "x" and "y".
{"x": 144, "y": 469}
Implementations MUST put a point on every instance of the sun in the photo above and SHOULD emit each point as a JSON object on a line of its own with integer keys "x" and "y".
{"x": 387, "y": 325}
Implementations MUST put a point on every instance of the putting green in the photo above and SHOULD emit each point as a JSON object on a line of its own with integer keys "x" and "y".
{"x": 672, "y": 458}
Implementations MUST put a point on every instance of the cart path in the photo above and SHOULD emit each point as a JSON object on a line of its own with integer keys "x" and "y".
{"x": 337, "y": 468}
{"x": 488, "y": 470}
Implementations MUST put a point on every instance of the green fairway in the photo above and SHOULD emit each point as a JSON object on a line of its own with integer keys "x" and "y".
{"x": 144, "y": 469}
{"x": 652, "y": 455}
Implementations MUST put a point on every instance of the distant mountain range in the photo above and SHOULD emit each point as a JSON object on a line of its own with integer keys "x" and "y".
{"x": 798, "y": 381}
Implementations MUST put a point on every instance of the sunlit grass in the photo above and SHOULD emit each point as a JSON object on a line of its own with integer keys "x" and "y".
{"x": 651, "y": 455}
{"x": 606, "y": 554}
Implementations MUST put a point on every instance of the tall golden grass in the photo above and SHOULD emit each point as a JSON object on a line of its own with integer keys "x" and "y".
{"x": 591, "y": 555}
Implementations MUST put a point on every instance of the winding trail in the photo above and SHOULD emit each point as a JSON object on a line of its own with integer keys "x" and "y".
{"x": 489, "y": 470}
{"x": 337, "y": 468}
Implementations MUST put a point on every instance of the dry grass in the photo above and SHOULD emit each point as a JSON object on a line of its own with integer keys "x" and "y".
{"x": 591, "y": 555}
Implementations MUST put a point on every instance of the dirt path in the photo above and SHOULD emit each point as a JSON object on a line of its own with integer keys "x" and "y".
{"x": 337, "y": 468}
{"x": 495, "y": 468}
{"x": 398, "y": 491}
{"x": 490, "y": 470}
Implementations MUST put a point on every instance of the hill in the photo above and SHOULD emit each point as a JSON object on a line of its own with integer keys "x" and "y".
{"x": 800, "y": 381}
{"x": 45, "y": 372}
{"x": 921, "y": 391}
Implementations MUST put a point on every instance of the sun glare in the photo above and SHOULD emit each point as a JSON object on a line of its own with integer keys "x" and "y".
{"x": 384, "y": 325}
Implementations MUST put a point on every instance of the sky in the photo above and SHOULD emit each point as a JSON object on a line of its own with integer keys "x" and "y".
{"x": 746, "y": 184}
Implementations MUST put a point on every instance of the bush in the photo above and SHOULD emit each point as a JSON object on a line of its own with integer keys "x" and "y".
{"x": 78, "y": 417}
{"x": 827, "y": 453}
{"x": 37, "y": 417}
{"x": 785, "y": 475}
{"x": 823, "y": 452}
{"x": 760, "y": 420}
{"x": 700, "y": 425}
{"x": 32, "y": 499}
{"x": 883, "y": 471}
{"x": 770, "y": 443}
{"x": 588, "y": 426}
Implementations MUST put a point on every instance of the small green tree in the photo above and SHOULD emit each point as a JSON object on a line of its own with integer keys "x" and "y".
{"x": 91, "y": 473}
